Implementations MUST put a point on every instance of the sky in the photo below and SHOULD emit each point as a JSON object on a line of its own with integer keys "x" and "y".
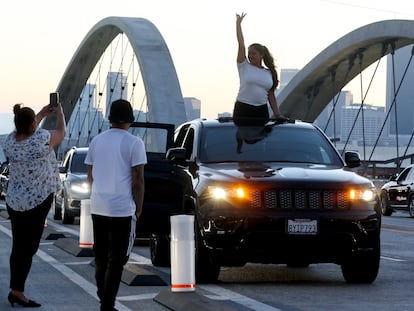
{"x": 40, "y": 37}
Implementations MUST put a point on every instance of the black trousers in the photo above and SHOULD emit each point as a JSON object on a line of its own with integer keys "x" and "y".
{"x": 27, "y": 229}
{"x": 249, "y": 115}
{"x": 113, "y": 241}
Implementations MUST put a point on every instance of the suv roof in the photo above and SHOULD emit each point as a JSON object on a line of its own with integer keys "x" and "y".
{"x": 225, "y": 121}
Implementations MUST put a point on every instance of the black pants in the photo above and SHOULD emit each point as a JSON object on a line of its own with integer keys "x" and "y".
{"x": 249, "y": 115}
{"x": 113, "y": 241}
{"x": 27, "y": 229}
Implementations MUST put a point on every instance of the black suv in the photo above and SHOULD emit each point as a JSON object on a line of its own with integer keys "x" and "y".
{"x": 74, "y": 186}
{"x": 283, "y": 197}
{"x": 398, "y": 192}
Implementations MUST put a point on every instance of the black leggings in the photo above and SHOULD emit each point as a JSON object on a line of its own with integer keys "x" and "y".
{"x": 249, "y": 115}
{"x": 27, "y": 229}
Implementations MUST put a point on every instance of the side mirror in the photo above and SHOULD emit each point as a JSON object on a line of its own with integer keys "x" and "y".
{"x": 62, "y": 170}
{"x": 176, "y": 154}
{"x": 352, "y": 159}
{"x": 393, "y": 177}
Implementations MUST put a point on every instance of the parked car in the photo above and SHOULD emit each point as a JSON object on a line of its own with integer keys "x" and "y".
{"x": 287, "y": 197}
{"x": 398, "y": 193}
{"x": 74, "y": 186}
{"x": 4, "y": 179}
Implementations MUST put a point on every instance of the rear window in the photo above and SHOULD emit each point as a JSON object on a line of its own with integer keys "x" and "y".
{"x": 281, "y": 144}
{"x": 155, "y": 139}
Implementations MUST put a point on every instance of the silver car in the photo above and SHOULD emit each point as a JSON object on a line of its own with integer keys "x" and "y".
{"x": 75, "y": 187}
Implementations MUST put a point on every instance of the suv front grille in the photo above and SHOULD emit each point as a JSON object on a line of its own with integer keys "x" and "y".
{"x": 299, "y": 199}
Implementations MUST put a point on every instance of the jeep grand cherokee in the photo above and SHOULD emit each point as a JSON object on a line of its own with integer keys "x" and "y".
{"x": 287, "y": 197}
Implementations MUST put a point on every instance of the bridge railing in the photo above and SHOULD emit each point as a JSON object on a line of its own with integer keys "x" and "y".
{"x": 384, "y": 169}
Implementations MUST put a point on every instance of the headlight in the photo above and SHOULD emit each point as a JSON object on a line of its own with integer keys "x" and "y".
{"x": 80, "y": 188}
{"x": 366, "y": 195}
{"x": 223, "y": 193}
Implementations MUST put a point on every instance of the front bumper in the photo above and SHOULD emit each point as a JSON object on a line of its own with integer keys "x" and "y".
{"x": 261, "y": 236}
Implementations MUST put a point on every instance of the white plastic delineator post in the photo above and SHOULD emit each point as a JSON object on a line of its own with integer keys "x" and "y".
{"x": 85, "y": 225}
{"x": 182, "y": 253}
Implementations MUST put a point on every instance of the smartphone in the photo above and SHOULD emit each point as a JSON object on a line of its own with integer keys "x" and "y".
{"x": 54, "y": 100}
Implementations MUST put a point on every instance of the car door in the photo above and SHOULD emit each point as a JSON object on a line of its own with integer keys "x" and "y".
{"x": 398, "y": 192}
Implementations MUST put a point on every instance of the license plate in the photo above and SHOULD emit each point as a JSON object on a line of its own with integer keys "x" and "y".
{"x": 302, "y": 226}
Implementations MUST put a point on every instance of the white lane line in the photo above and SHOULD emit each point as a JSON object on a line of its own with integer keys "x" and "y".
{"x": 77, "y": 263}
{"x": 87, "y": 286}
{"x": 225, "y": 294}
{"x": 220, "y": 293}
{"x": 63, "y": 228}
{"x": 46, "y": 243}
{"x": 392, "y": 259}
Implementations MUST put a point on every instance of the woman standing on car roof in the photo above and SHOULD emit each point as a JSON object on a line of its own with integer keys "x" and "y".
{"x": 33, "y": 179}
{"x": 257, "y": 83}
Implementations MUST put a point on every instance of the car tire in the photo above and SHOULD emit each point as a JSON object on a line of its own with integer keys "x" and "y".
{"x": 362, "y": 267}
{"x": 67, "y": 218}
{"x": 386, "y": 210}
{"x": 207, "y": 269}
{"x": 411, "y": 206}
{"x": 57, "y": 212}
{"x": 159, "y": 250}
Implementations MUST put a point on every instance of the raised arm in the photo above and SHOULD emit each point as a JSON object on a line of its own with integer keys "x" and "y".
{"x": 58, "y": 134}
{"x": 241, "y": 54}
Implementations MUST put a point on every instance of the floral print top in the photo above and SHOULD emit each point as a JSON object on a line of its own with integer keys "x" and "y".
{"x": 33, "y": 174}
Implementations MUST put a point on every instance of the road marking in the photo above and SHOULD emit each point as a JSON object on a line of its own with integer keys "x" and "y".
{"x": 219, "y": 293}
{"x": 46, "y": 243}
{"x": 77, "y": 263}
{"x": 392, "y": 259}
{"x": 225, "y": 294}
{"x": 398, "y": 231}
{"x": 87, "y": 286}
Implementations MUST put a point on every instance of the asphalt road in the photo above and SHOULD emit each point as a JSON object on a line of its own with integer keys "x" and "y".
{"x": 62, "y": 281}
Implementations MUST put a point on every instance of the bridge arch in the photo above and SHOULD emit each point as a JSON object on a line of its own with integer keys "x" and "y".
{"x": 164, "y": 98}
{"x": 313, "y": 87}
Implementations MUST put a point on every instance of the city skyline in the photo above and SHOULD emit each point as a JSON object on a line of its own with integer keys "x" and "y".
{"x": 203, "y": 50}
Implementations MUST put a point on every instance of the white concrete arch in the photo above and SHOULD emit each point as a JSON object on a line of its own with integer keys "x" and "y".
{"x": 162, "y": 88}
{"x": 308, "y": 93}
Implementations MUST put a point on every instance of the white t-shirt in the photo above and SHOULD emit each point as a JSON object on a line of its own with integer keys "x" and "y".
{"x": 255, "y": 84}
{"x": 112, "y": 154}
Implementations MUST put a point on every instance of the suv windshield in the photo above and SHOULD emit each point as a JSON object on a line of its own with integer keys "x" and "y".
{"x": 282, "y": 144}
{"x": 78, "y": 165}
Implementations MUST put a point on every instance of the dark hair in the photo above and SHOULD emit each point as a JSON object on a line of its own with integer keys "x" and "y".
{"x": 23, "y": 119}
{"x": 121, "y": 112}
{"x": 268, "y": 61}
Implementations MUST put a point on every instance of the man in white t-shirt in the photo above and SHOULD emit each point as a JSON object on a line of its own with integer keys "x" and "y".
{"x": 115, "y": 160}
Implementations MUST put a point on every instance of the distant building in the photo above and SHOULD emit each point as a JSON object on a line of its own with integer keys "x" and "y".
{"x": 404, "y": 102}
{"x": 369, "y": 129}
{"x": 116, "y": 88}
{"x": 329, "y": 120}
{"x": 192, "y": 107}
{"x": 85, "y": 122}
